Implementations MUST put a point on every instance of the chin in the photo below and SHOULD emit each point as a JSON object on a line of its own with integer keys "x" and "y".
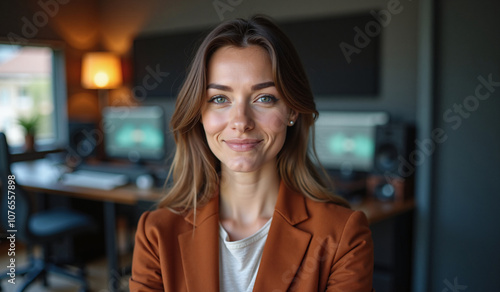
{"x": 249, "y": 165}
{"x": 243, "y": 169}
{"x": 241, "y": 166}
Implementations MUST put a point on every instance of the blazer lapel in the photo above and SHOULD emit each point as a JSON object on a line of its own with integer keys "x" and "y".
{"x": 200, "y": 249}
{"x": 286, "y": 245}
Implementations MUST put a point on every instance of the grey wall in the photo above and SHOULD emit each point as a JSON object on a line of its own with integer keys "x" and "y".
{"x": 465, "y": 233}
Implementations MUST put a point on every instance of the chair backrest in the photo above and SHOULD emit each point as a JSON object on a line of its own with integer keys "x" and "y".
{"x": 14, "y": 204}
{"x": 4, "y": 155}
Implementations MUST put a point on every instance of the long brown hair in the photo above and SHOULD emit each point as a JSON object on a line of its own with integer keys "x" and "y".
{"x": 194, "y": 170}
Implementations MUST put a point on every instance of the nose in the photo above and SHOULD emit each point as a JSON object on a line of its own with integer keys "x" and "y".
{"x": 241, "y": 117}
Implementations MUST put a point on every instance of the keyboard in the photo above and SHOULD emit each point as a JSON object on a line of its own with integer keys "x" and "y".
{"x": 94, "y": 179}
{"x": 131, "y": 171}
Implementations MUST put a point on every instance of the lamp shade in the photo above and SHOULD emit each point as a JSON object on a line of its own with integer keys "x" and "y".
{"x": 101, "y": 70}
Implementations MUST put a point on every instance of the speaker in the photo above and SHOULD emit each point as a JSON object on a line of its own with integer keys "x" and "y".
{"x": 82, "y": 142}
{"x": 392, "y": 144}
{"x": 387, "y": 181}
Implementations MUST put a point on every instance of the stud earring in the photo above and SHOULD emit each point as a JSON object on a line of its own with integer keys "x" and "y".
{"x": 291, "y": 123}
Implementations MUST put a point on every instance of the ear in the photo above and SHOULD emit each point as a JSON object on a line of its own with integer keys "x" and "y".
{"x": 293, "y": 116}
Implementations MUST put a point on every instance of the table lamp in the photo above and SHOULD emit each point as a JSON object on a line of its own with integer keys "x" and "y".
{"x": 101, "y": 70}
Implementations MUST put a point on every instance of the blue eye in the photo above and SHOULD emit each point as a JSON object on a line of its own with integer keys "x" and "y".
{"x": 267, "y": 99}
{"x": 218, "y": 99}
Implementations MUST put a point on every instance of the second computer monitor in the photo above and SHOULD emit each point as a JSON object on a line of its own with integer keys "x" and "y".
{"x": 345, "y": 141}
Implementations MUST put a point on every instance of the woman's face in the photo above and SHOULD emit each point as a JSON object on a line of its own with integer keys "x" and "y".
{"x": 244, "y": 117}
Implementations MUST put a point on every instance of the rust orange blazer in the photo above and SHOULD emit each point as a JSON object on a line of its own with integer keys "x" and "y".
{"x": 311, "y": 246}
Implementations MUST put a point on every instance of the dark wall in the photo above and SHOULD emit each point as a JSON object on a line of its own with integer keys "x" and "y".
{"x": 12, "y": 22}
{"x": 330, "y": 72}
{"x": 465, "y": 237}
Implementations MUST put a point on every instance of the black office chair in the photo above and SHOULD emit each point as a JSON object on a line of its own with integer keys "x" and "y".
{"x": 37, "y": 229}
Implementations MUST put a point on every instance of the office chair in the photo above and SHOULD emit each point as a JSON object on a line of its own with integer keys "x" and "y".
{"x": 36, "y": 229}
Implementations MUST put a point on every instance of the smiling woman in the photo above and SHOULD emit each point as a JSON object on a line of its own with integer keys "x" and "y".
{"x": 247, "y": 209}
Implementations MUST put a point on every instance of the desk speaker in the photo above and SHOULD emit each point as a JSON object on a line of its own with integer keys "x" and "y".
{"x": 388, "y": 181}
{"x": 392, "y": 145}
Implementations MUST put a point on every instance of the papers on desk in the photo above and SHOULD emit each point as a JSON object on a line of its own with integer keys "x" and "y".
{"x": 94, "y": 179}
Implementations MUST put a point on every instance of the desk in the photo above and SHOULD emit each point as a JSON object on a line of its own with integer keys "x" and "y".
{"x": 42, "y": 176}
{"x": 377, "y": 211}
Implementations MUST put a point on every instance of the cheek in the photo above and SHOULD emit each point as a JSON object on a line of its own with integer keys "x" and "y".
{"x": 213, "y": 123}
{"x": 276, "y": 122}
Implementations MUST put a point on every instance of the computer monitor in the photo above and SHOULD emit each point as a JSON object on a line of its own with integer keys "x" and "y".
{"x": 134, "y": 133}
{"x": 345, "y": 141}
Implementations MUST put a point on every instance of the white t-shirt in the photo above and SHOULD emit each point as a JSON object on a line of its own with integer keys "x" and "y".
{"x": 239, "y": 260}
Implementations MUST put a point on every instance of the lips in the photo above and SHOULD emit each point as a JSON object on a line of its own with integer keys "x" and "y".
{"x": 242, "y": 145}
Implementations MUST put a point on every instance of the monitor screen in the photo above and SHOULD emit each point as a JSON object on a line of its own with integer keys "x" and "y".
{"x": 345, "y": 141}
{"x": 134, "y": 133}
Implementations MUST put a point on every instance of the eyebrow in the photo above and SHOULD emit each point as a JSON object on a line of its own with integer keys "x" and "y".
{"x": 254, "y": 87}
{"x": 263, "y": 85}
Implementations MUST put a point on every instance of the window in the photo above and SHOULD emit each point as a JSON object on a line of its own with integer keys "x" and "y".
{"x": 32, "y": 85}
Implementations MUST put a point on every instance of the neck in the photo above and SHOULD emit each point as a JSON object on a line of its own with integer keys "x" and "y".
{"x": 246, "y": 198}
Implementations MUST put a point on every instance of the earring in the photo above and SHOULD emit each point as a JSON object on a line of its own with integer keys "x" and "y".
{"x": 291, "y": 123}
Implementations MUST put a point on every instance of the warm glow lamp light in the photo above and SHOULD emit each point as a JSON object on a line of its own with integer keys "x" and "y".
{"x": 101, "y": 70}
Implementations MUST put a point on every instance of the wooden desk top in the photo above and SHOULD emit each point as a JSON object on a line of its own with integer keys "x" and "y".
{"x": 377, "y": 211}
{"x": 43, "y": 176}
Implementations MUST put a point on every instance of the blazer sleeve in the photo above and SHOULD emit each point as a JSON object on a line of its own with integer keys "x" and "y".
{"x": 352, "y": 268}
{"x": 146, "y": 271}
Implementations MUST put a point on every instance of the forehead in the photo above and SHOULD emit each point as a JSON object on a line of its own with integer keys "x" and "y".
{"x": 236, "y": 63}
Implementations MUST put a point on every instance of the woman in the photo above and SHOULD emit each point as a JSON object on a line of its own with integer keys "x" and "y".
{"x": 247, "y": 210}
